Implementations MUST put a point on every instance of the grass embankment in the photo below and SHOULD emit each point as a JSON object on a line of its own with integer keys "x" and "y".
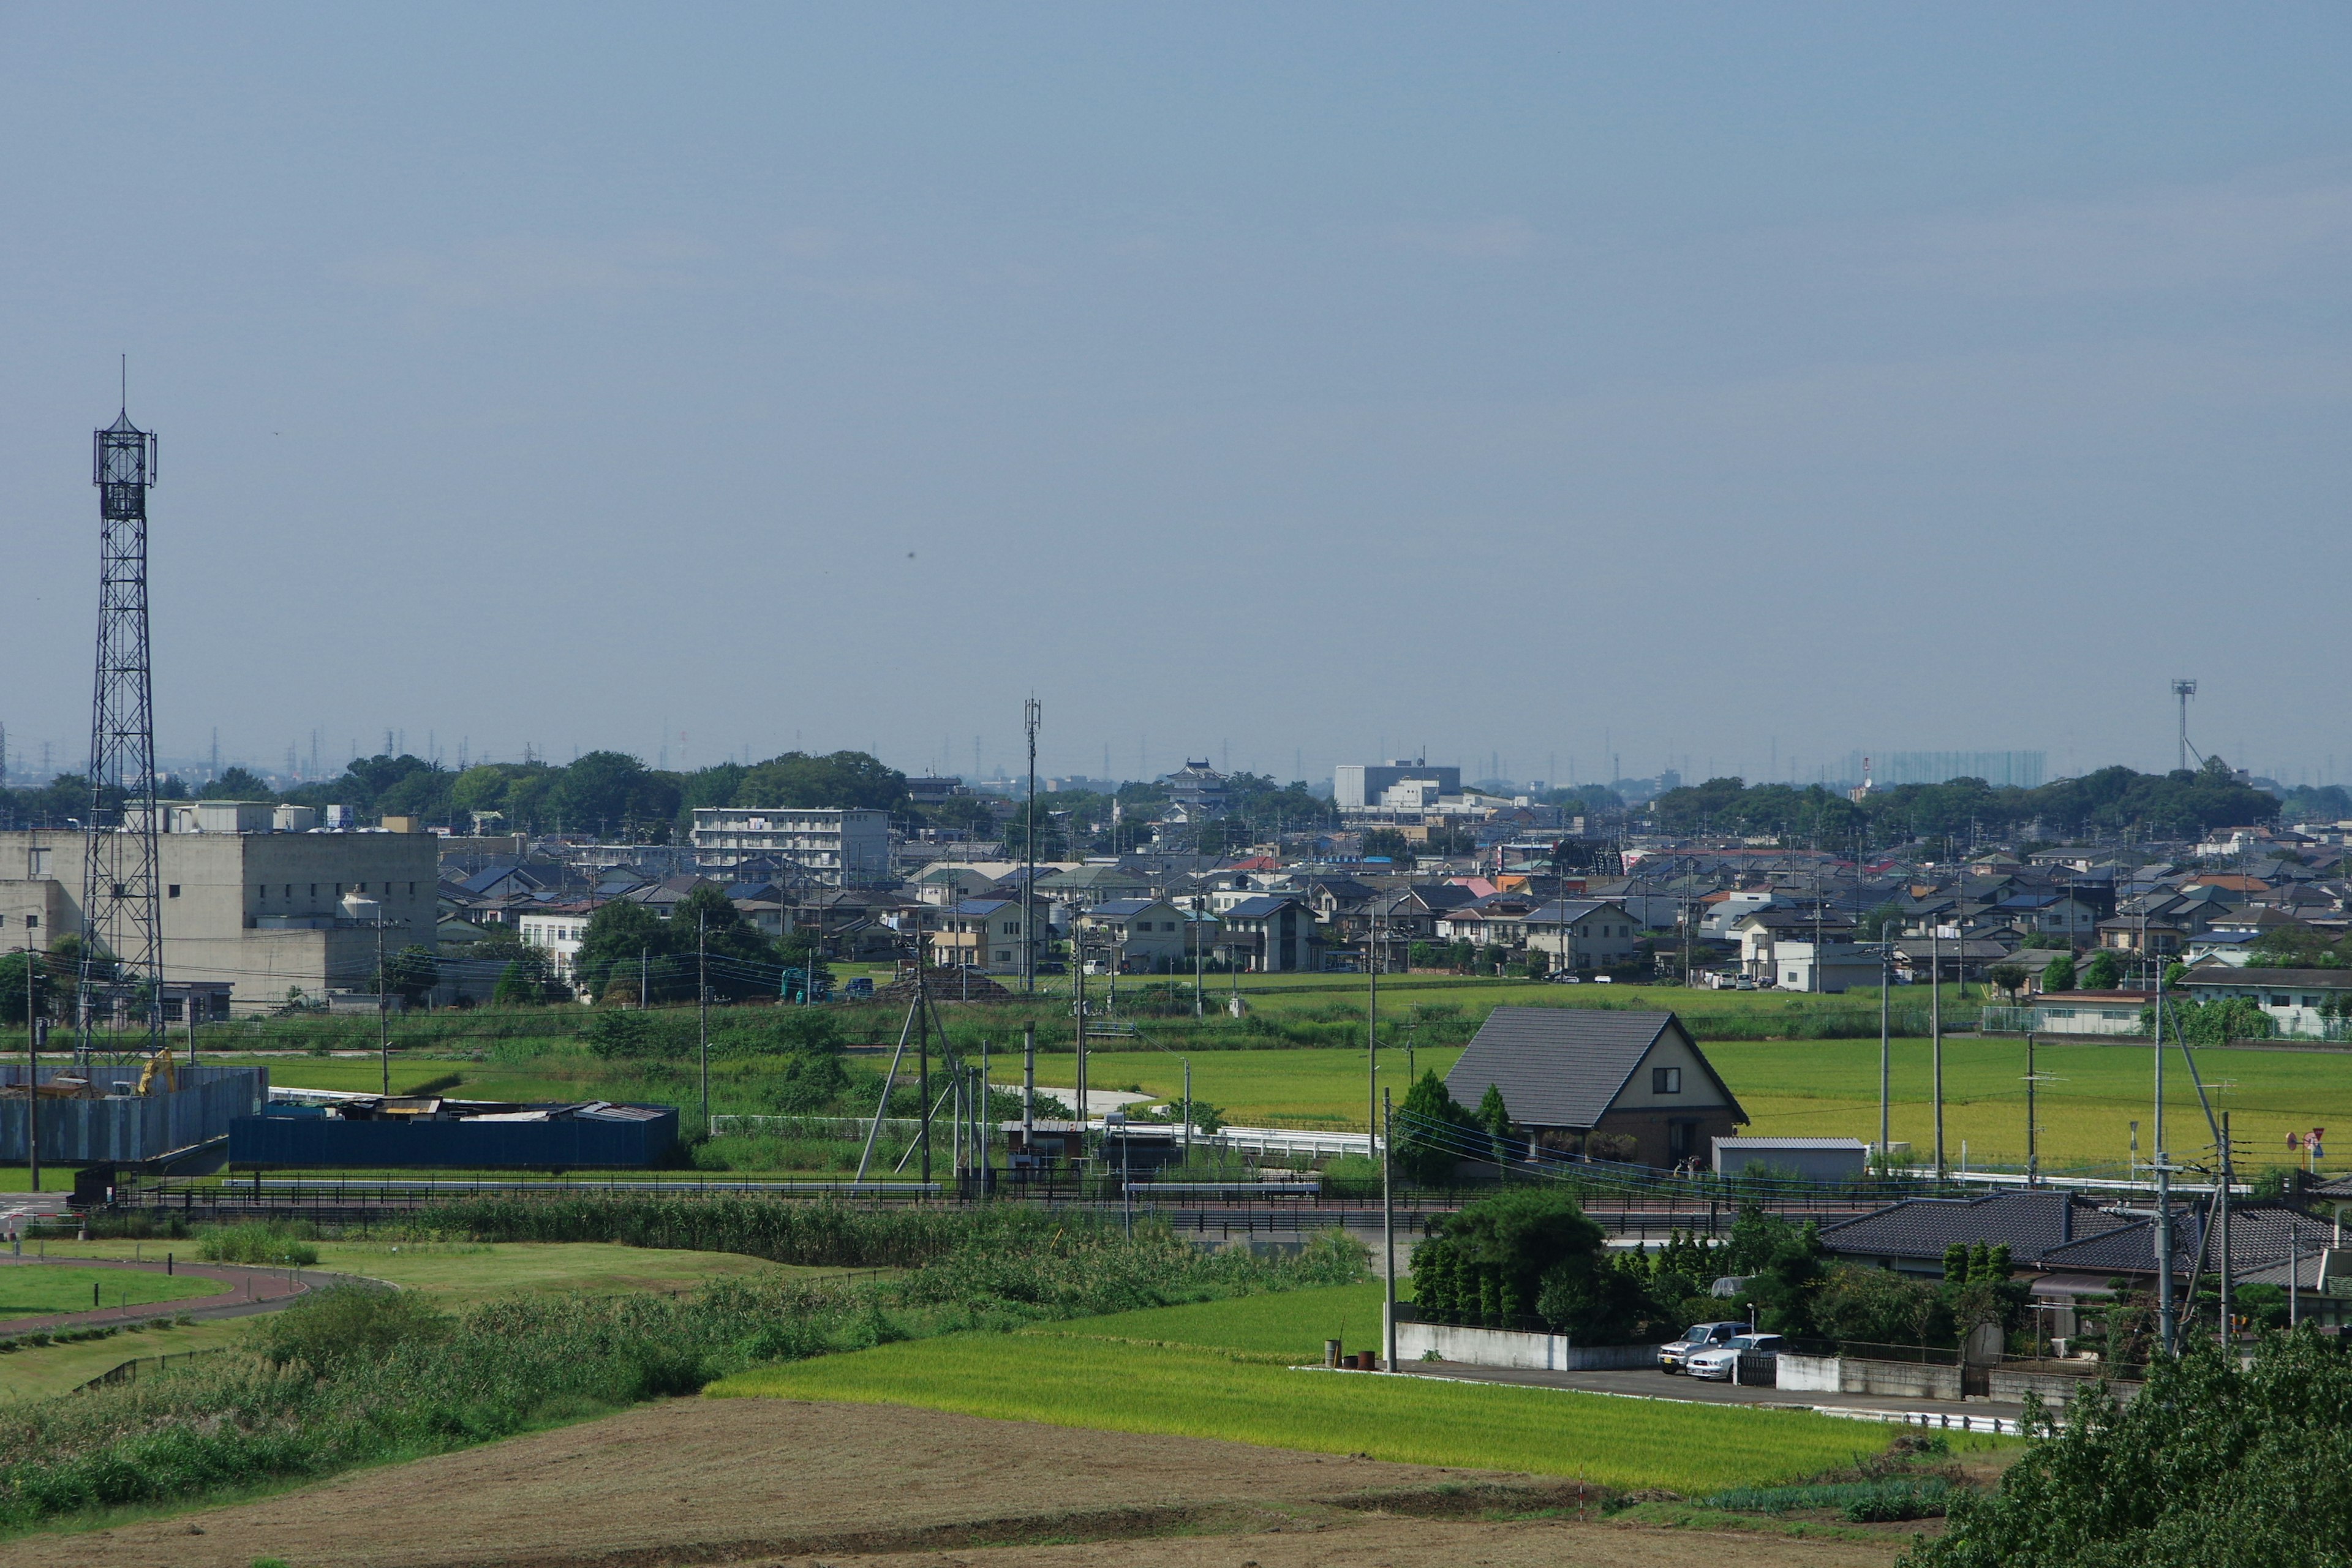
{"x": 1226, "y": 1370}
{"x": 346, "y": 1378}
{"x": 460, "y": 1272}
{"x": 39, "y": 1289}
{"x": 42, "y": 1371}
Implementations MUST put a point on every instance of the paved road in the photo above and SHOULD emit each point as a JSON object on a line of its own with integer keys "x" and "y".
{"x": 1646, "y": 1383}
{"x": 251, "y": 1290}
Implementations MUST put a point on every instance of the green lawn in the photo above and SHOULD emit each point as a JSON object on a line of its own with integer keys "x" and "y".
{"x": 37, "y": 1289}
{"x": 1067, "y": 1381}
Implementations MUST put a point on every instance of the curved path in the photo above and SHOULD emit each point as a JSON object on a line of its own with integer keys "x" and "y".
{"x": 251, "y": 1290}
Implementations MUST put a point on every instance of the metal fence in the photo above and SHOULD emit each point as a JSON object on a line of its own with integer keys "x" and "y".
{"x": 124, "y": 1125}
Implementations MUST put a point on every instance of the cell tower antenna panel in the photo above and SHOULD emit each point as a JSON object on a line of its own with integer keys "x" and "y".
{"x": 122, "y": 920}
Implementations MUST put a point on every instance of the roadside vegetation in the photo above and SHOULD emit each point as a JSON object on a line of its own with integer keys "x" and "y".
{"x": 353, "y": 1375}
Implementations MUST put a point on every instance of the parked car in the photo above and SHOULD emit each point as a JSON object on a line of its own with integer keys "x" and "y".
{"x": 1567, "y": 980}
{"x": 863, "y": 987}
{"x": 1719, "y": 1363}
{"x": 1674, "y": 1356}
{"x": 1604, "y": 980}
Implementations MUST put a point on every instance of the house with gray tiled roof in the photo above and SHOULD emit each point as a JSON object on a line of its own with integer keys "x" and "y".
{"x": 1629, "y": 1086}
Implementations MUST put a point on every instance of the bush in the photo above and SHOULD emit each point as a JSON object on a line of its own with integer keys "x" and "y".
{"x": 2212, "y": 1464}
{"x": 332, "y": 1329}
{"x": 1527, "y": 1254}
{"x": 279, "y": 1243}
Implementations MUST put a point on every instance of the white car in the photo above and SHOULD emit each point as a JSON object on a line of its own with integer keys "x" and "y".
{"x": 1719, "y": 1363}
{"x": 1674, "y": 1356}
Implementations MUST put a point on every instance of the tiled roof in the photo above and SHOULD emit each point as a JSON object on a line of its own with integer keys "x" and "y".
{"x": 1258, "y": 908}
{"x": 1562, "y": 1066}
{"x": 2032, "y": 1223}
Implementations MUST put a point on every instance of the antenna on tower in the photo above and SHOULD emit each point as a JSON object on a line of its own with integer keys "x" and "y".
{"x": 122, "y": 909}
{"x": 2185, "y": 689}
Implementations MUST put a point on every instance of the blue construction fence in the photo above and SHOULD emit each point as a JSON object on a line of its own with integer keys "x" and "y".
{"x": 571, "y": 1143}
{"x": 119, "y": 1123}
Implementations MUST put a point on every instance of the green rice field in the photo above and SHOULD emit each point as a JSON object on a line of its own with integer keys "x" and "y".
{"x": 1200, "y": 1392}
{"x": 2087, "y": 1101}
{"x": 1287, "y": 1324}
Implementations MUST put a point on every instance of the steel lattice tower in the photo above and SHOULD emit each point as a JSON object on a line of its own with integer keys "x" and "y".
{"x": 122, "y": 905}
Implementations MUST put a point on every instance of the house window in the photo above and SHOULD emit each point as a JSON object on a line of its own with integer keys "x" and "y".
{"x": 173, "y": 891}
{"x": 1665, "y": 1080}
{"x": 36, "y": 862}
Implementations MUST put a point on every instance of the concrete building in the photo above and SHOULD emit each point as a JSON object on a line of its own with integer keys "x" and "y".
{"x": 1358, "y": 786}
{"x": 266, "y": 912}
{"x": 556, "y": 929}
{"x": 839, "y": 848}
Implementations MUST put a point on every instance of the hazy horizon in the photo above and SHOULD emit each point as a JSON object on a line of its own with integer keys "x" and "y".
{"x": 1726, "y": 389}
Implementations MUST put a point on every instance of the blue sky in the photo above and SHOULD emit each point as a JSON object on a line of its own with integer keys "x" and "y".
{"x": 1272, "y": 385}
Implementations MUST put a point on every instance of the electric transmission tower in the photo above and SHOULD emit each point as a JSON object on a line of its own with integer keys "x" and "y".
{"x": 121, "y": 908}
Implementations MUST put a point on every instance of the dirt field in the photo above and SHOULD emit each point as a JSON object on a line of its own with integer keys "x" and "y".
{"x": 770, "y": 1481}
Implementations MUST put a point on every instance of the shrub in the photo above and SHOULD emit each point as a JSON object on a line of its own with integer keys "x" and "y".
{"x": 280, "y": 1243}
{"x": 329, "y": 1330}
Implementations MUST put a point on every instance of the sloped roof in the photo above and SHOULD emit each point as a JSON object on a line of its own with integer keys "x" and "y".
{"x": 1119, "y": 909}
{"x": 1564, "y": 1067}
{"x": 1265, "y": 904}
{"x": 2032, "y": 1223}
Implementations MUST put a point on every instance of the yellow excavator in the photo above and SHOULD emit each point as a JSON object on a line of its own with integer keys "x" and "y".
{"x": 159, "y": 1069}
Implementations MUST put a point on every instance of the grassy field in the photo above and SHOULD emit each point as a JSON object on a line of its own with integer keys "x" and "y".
{"x": 1288, "y": 1324}
{"x": 460, "y": 1272}
{"x": 48, "y": 1370}
{"x": 36, "y": 1290}
{"x": 1067, "y": 1381}
{"x": 1818, "y": 1088}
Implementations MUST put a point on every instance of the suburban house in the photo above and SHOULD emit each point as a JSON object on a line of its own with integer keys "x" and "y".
{"x": 1620, "y": 1086}
{"x": 1834, "y": 967}
{"x": 1145, "y": 932}
{"x": 2091, "y": 1012}
{"x": 1582, "y": 934}
{"x": 2301, "y": 1002}
{"x": 979, "y": 933}
{"x": 1273, "y": 932}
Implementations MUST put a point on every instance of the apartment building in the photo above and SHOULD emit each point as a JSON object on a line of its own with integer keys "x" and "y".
{"x": 839, "y": 848}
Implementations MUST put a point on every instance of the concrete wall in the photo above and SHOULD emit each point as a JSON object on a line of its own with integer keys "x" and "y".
{"x": 141, "y": 1127}
{"x": 1503, "y": 1347}
{"x": 1846, "y": 1375}
{"x": 2057, "y": 1389}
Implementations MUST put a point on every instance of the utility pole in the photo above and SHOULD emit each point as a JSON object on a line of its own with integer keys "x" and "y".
{"x": 644, "y": 980}
{"x": 2033, "y": 1149}
{"x": 2221, "y": 1206}
{"x": 1029, "y": 1086}
{"x": 1029, "y": 715}
{"x": 33, "y": 1032}
{"x": 1885, "y": 965}
{"x": 702, "y": 1007}
{"x": 1388, "y": 1228}
{"x": 383, "y": 1003}
{"x": 2167, "y": 1322}
{"x": 1078, "y": 1001}
{"x": 1372, "y": 1033}
{"x": 923, "y": 1050}
{"x": 1935, "y": 1029}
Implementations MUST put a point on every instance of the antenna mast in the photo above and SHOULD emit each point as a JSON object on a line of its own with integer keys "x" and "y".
{"x": 122, "y": 909}
{"x": 2185, "y": 689}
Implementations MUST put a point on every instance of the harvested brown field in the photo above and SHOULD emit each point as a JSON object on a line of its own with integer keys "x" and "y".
{"x": 749, "y": 1482}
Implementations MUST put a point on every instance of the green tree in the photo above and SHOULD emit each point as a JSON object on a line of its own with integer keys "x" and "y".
{"x": 2060, "y": 974}
{"x": 844, "y": 779}
{"x": 1491, "y": 1261}
{"x": 2010, "y": 977}
{"x": 237, "y": 783}
{"x": 623, "y": 935}
{"x": 1494, "y": 1116}
{"x": 1427, "y": 1134}
{"x": 1878, "y": 1307}
{"x": 2102, "y": 972}
{"x": 2212, "y": 1464}
{"x": 1389, "y": 842}
{"x": 736, "y": 956}
{"x": 411, "y": 973}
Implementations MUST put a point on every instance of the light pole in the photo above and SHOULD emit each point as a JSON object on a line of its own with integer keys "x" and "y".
{"x": 702, "y": 1008}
